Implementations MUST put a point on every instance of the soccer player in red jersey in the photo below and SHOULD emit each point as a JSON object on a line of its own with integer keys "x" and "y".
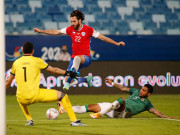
{"x": 81, "y": 37}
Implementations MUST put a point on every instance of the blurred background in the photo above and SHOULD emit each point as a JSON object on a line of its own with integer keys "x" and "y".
{"x": 127, "y": 17}
{"x": 150, "y": 29}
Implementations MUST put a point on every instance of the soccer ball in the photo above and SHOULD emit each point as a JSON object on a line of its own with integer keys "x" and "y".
{"x": 52, "y": 113}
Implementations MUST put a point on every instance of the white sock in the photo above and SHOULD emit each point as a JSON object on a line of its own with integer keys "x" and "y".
{"x": 79, "y": 109}
{"x": 76, "y": 62}
{"x": 108, "y": 109}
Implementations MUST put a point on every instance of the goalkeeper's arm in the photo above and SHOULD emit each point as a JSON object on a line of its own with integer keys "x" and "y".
{"x": 56, "y": 70}
{"x": 9, "y": 80}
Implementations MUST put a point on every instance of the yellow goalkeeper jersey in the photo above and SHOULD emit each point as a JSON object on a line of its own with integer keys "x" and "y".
{"x": 27, "y": 71}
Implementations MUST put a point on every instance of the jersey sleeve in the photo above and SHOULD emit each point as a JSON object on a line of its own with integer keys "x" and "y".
{"x": 63, "y": 30}
{"x": 95, "y": 33}
{"x": 43, "y": 65}
{"x": 149, "y": 106}
{"x": 132, "y": 90}
{"x": 13, "y": 69}
{"x": 66, "y": 30}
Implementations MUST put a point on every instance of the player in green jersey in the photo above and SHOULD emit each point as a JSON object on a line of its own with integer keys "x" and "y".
{"x": 136, "y": 103}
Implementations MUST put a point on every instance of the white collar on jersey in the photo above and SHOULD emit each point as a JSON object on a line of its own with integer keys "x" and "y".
{"x": 80, "y": 28}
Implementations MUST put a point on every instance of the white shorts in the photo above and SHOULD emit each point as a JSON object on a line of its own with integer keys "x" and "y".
{"x": 113, "y": 113}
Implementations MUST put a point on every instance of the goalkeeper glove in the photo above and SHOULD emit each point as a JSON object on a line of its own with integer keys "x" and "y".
{"x": 71, "y": 74}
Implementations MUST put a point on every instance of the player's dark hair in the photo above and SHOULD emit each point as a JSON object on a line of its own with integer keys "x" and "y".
{"x": 78, "y": 14}
{"x": 28, "y": 47}
{"x": 150, "y": 88}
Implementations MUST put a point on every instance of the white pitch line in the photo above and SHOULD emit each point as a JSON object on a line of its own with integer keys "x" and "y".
{"x": 157, "y": 119}
{"x": 167, "y": 119}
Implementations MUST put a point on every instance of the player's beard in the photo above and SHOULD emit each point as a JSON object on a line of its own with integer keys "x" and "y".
{"x": 76, "y": 26}
{"x": 143, "y": 96}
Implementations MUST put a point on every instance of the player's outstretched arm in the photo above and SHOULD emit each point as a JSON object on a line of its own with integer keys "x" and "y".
{"x": 49, "y": 32}
{"x": 56, "y": 70}
{"x": 120, "y": 87}
{"x": 109, "y": 40}
{"x": 159, "y": 114}
{"x": 9, "y": 81}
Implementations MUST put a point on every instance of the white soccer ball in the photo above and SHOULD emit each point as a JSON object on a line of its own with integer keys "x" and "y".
{"x": 52, "y": 113}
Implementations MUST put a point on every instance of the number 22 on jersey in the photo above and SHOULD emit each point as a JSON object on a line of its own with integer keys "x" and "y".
{"x": 77, "y": 38}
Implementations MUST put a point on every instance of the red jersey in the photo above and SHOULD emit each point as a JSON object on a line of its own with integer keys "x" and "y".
{"x": 80, "y": 39}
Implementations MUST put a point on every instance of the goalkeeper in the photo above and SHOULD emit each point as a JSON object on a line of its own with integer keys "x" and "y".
{"x": 27, "y": 70}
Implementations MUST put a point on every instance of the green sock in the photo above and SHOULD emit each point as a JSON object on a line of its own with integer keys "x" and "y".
{"x": 120, "y": 100}
{"x": 86, "y": 106}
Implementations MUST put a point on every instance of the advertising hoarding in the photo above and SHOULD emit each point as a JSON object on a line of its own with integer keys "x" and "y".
{"x": 163, "y": 75}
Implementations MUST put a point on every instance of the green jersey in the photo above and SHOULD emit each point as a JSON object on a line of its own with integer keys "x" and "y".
{"x": 136, "y": 104}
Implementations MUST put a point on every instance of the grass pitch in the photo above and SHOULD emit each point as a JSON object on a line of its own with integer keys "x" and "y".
{"x": 141, "y": 124}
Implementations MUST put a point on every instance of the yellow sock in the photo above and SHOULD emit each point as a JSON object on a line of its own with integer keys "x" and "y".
{"x": 67, "y": 105}
{"x": 26, "y": 112}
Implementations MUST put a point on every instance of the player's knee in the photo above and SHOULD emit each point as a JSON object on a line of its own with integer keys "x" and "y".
{"x": 77, "y": 58}
{"x": 115, "y": 104}
{"x": 60, "y": 95}
{"x": 120, "y": 100}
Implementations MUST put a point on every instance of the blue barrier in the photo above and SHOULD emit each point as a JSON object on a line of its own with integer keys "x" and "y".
{"x": 143, "y": 48}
